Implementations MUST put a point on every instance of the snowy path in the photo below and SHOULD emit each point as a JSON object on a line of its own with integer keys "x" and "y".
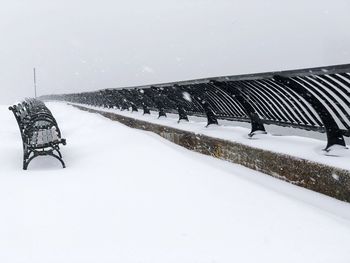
{"x": 295, "y": 142}
{"x": 131, "y": 196}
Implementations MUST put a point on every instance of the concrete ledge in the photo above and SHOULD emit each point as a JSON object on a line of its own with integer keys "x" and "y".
{"x": 318, "y": 177}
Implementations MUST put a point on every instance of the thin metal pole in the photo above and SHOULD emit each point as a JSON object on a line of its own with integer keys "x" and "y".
{"x": 34, "y": 71}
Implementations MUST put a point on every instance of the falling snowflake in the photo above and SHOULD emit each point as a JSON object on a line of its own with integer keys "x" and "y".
{"x": 187, "y": 96}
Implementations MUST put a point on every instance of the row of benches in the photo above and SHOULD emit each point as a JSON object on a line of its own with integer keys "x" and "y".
{"x": 39, "y": 130}
{"x": 312, "y": 99}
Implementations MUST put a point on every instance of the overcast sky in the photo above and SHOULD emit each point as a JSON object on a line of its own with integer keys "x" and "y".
{"x": 82, "y": 45}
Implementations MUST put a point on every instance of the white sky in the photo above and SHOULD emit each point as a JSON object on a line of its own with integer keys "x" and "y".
{"x": 81, "y": 45}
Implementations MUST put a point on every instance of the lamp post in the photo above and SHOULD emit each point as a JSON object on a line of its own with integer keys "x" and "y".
{"x": 34, "y": 71}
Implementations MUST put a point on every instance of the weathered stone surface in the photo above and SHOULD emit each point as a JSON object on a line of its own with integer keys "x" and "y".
{"x": 318, "y": 177}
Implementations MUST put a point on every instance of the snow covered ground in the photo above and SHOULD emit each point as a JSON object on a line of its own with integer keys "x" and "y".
{"x": 131, "y": 196}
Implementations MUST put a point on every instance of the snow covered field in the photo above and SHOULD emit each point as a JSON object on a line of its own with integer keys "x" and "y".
{"x": 131, "y": 196}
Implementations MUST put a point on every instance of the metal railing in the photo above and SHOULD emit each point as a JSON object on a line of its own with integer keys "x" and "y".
{"x": 316, "y": 99}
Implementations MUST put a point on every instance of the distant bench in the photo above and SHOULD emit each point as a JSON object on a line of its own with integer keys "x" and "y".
{"x": 39, "y": 130}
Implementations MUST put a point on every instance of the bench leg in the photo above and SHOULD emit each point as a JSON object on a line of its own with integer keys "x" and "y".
{"x": 59, "y": 153}
{"x": 25, "y": 165}
{"x": 58, "y": 158}
{"x": 27, "y": 161}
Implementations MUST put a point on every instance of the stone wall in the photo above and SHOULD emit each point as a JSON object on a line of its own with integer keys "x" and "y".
{"x": 318, "y": 177}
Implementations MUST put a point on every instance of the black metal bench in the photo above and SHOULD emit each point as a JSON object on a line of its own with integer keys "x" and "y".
{"x": 39, "y": 131}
